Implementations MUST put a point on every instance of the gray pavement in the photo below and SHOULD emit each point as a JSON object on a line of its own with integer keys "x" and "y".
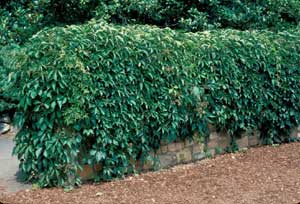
{"x": 9, "y": 167}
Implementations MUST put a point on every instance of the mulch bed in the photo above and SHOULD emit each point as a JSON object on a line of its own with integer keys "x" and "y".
{"x": 259, "y": 175}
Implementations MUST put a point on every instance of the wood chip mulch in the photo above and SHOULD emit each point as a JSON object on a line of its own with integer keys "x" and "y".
{"x": 260, "y": 175}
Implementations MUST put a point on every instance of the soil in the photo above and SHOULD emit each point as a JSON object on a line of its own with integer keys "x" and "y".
{"x": 259, "y": 175}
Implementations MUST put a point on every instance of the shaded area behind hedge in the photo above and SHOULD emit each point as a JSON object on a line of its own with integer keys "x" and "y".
{"x": 114, "y": 93}
{"x": 20, "y": 19}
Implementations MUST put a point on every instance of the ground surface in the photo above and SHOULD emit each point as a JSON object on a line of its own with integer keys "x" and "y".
{"x": 9, "y": 166}
{"x": 261, "y": 175}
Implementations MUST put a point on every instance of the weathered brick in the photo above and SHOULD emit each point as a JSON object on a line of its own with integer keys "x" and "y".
{"x": 148, "y": 165}
{"x": 88, "y": 172}
{"x": 168, "y": 159}
{"x": 253, "y": 139}
{"x": 243, "y": 141}
{"x": 198, "y": 148}
{"x": 184, "y": 156}
{"x": 223, "y": 140}
{"x": 172, "y": 147}
{"x": 213, "y": 140}
{"x": 158, "y": 151}
{"x": 199, "y": 156}
{"x": 214, "y": 135}
{"x": 294, "y": 133}
{"x": 188, "y": 142}
{"x": 164, "y": 149}
{"x": 179, "y": 146}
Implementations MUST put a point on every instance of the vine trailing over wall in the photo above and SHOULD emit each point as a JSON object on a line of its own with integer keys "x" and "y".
{"x": 105, "y": 94}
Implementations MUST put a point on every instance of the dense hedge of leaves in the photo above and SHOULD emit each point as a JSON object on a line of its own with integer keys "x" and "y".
{"x": 21, "y": 19}
{"x": 105, "y": 94}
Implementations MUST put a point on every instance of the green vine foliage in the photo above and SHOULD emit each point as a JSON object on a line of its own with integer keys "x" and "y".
{"x": 21, "y": 19}
{"x": 8, "y": 100}
{"x": 105, "y": 94}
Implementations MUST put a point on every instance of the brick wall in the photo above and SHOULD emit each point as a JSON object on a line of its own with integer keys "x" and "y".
{"x": 188, "y": 151}
{"x": 192, "y": 150}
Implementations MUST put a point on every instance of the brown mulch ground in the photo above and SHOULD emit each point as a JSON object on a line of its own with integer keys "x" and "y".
{"x": 261, "y": 175}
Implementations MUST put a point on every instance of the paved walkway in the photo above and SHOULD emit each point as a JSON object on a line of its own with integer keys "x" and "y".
{"x": 9, "y": 167}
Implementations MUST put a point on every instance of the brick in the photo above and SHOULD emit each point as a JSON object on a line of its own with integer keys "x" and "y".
{"x": 158, "y": 151}
{"x": 224, "y": 140}
{"x": 168, "y": 159}
{"x": 253, "y": 139}
{"x": 199, "y": 156}
{"x": 213, "y": 143}
{"x": 164, "y": 149}
{"x": 179, "y": 146}
{"x": 213, "y": 135}
{"x": 148, "y": 165}
{"x": 243, "y": 141}
{"x": 184, "y": 155}
{"x": 198, "y": 148}
{"x": 213, "y": 140}
{"x": 172, "y": 147}
{"x": 188, "y": 142}
{"x": 294, "y": 132}
{"x": 88, "y": 172}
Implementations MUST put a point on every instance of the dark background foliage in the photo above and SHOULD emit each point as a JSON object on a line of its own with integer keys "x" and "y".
{"x": 22, "y": 18}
